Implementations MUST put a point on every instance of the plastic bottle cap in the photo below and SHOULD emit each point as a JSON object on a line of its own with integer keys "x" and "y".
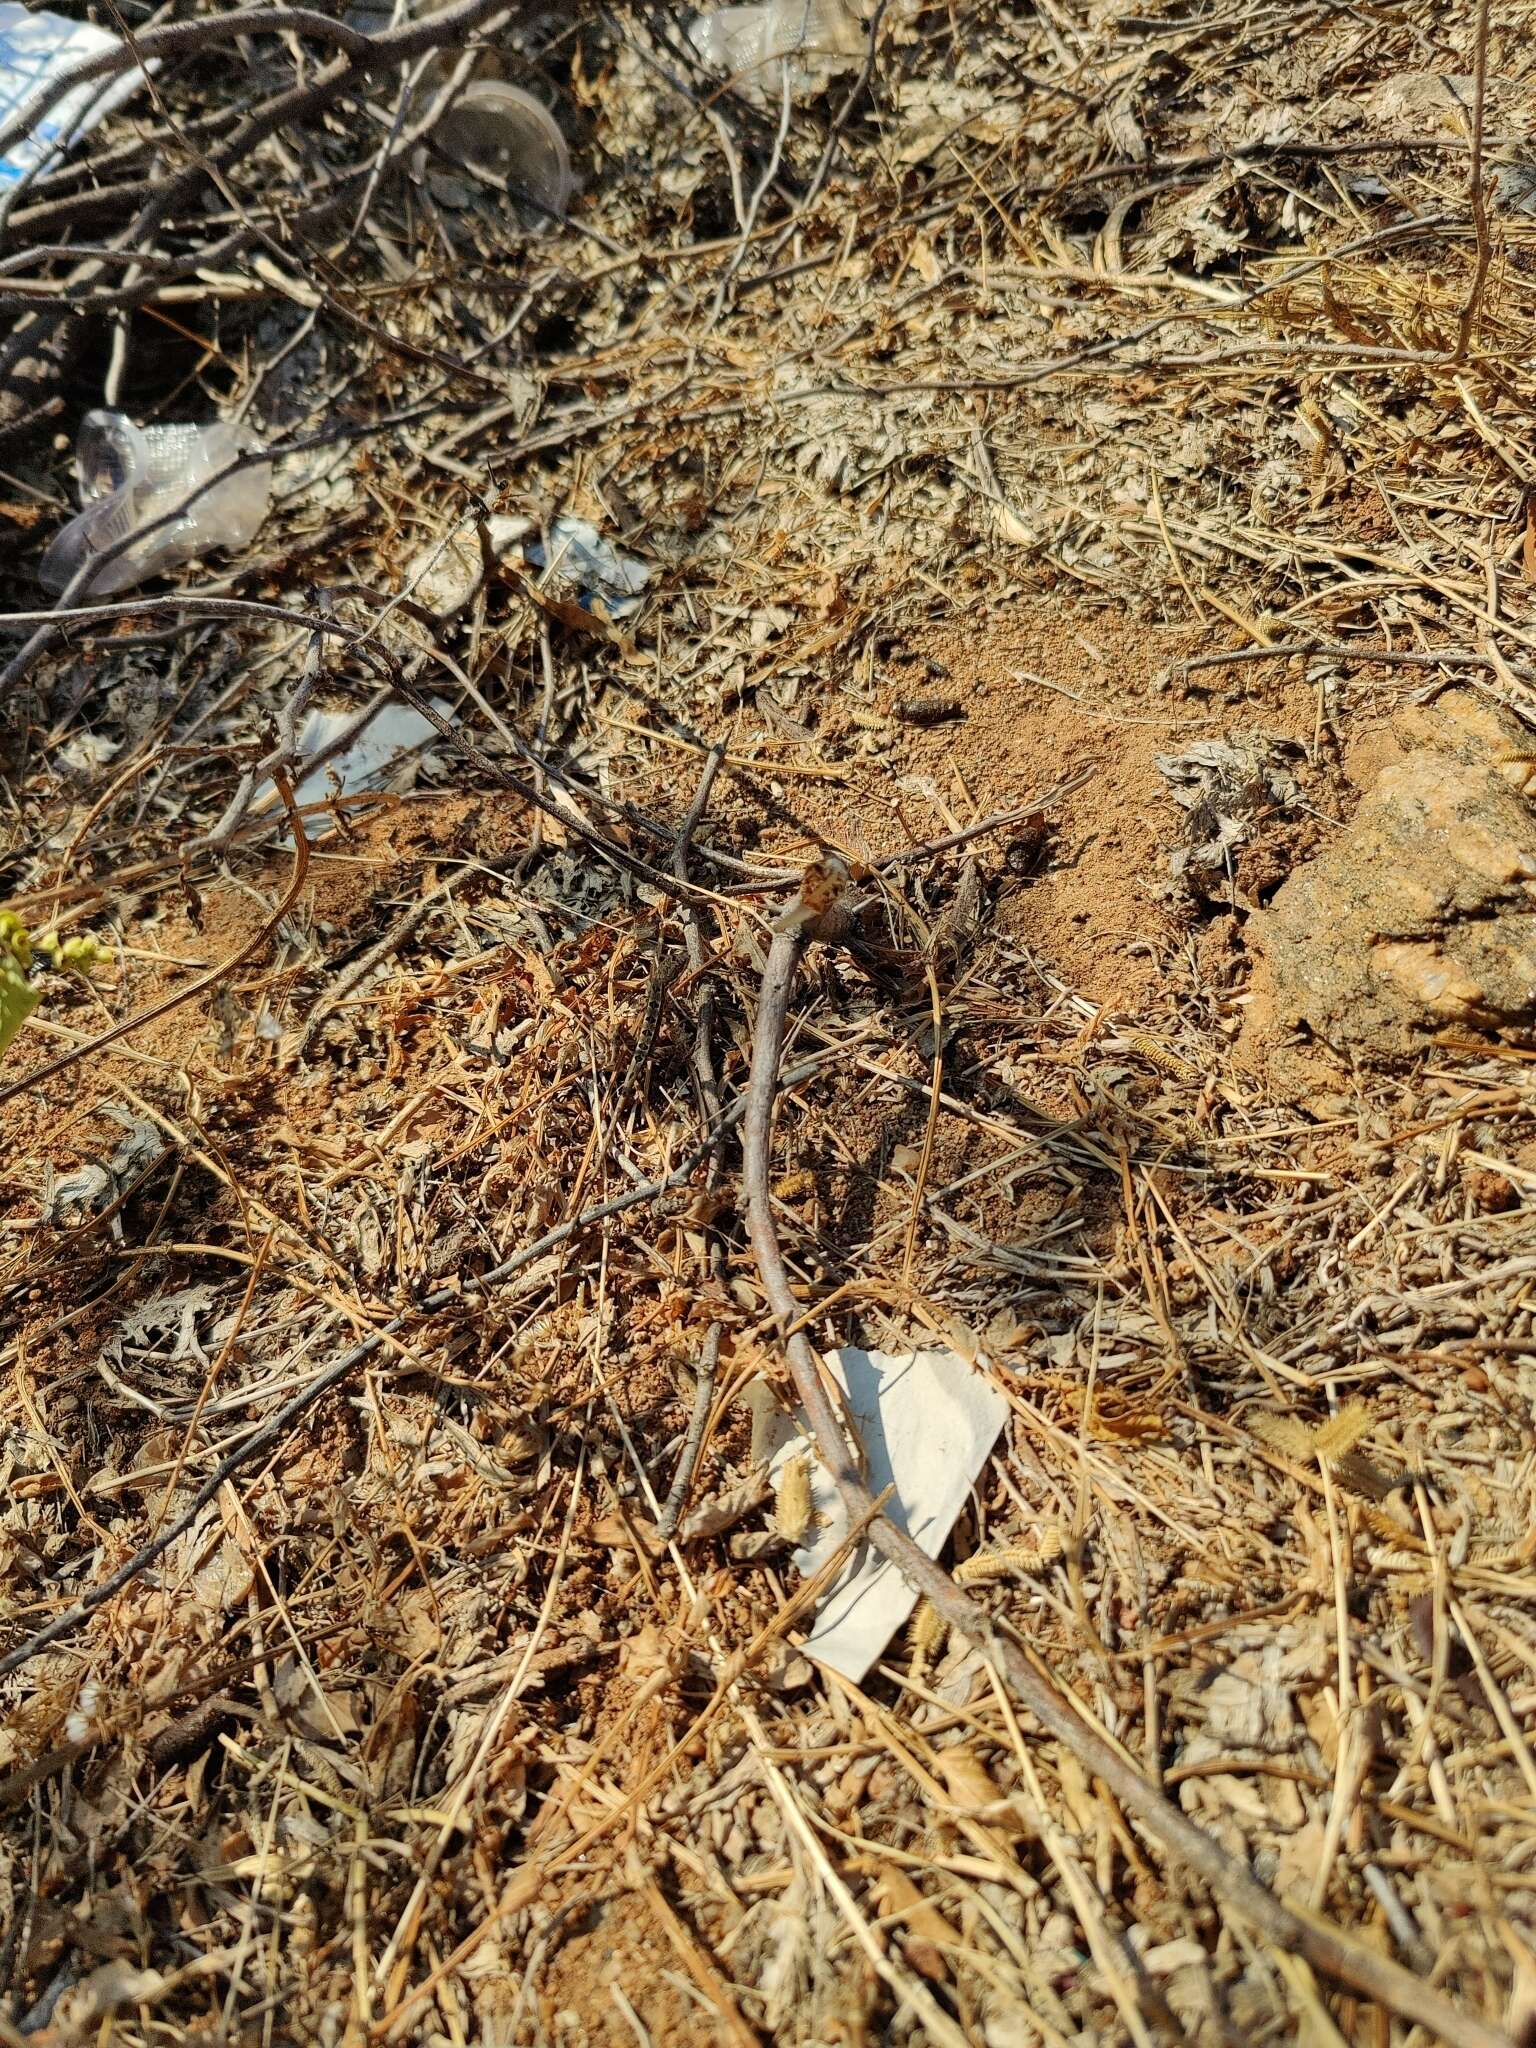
{"x": 508, "y": 136}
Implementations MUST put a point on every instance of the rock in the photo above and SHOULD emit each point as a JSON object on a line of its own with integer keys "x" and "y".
{"x": 1490, "y": 1192}
{"x": 1420, "y": 914}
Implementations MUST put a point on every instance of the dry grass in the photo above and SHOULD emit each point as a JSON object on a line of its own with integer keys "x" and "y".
{"x": 1147, "y": 322}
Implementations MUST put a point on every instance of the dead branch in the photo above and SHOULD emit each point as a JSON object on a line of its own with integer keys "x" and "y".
{"x": 703, "y": 1394}
{"x": 693, "y": 939}
{"x": 1477, "y": 197}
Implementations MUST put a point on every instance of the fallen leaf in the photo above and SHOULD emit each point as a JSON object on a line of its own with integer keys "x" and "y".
{"x": 1011, "y": 528}
{"x": 972, "y": 1788}
{"x": 924, "y": 1930}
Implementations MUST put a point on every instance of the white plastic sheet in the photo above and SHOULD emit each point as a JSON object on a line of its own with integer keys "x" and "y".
{"x": 372, "y": 758}
{"x": 35, "y": 50}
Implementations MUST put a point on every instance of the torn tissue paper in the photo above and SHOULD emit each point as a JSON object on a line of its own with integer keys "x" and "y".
{"x": 926, "y": 1422}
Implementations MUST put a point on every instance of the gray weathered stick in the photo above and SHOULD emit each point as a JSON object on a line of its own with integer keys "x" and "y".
{"x": 703, "y": 1394}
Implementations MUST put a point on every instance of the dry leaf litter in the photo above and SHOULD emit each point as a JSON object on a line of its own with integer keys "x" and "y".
{"x": 1111, "y": 419}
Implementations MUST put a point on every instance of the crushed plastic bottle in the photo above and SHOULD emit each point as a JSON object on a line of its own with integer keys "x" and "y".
{"x": 130, "y": 477}
{"x": 751, "y": 45}
{"x": 507, "y": 136}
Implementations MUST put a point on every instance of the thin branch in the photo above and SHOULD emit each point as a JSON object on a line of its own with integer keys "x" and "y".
{"x": 834, "y": 135}
{"x": 693, "y": 940}
{"x": 1331, "y": 650}
{"x": 709, "y": 1092}
{"x": 1476, "y": 195}
{"x": 703, "y": 1395}
{"x": 749, "y": 218}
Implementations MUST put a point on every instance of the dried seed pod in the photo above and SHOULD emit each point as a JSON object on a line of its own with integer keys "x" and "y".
{"x": 794, "y": 1513}
{"x": 928, "y": 1629}
{"x": 822, "y": 889}
{"x": 925, "y": 1636}
{"x": 1042, "y": 1548}
{"x": 1162, "y": 1057}
{"x": 929, "y": 710}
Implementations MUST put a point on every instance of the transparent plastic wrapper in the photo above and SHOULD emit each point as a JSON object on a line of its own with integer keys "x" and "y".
{"x": 750, "y": 45}
{"x": 507, "y": 136}
{"x": 130, "y": 477}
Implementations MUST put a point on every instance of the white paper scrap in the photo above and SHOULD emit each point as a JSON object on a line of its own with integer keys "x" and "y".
{"x": 36, "y": 49}
{"x": 372, "y": 758}
{"x": 927, "y": 1423}
{"x": 375, "y": 759}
